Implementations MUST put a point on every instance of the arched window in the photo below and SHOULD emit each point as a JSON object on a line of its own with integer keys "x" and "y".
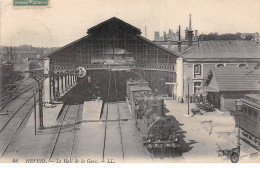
{"x": 220, "y": 65}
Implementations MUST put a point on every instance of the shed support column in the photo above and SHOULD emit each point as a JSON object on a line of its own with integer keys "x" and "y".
{"x": 53, "y": 87}
{"x": 60, "y": 84}
{"x": 46, "y": 83}
{"x": 179, "y": 73}
{"x": 66, "y": 83}
{"x": 70, "y": 80}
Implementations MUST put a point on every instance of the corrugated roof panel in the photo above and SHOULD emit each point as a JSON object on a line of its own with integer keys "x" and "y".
{"x": 225, "y": 49}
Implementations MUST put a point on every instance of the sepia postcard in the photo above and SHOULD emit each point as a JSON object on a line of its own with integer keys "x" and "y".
{"x": 140, "y": 81}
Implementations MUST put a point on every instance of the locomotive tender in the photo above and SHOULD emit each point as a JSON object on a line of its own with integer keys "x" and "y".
{"x": 156, "y": 127}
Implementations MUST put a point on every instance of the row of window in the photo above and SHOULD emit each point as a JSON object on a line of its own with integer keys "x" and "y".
{"x": 198, "y": 67}
{"x": 251, "y": 113}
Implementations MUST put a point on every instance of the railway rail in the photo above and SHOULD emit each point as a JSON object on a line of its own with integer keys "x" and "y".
{"x": 63, "y": 133}
{"x": 118, "y": 119}
{"x": 5, "y": 100}
{"x": 7, "y": 138}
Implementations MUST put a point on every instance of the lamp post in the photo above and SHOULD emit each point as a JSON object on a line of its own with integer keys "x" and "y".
{"x": 188, "y": 82}
{"x": 39, "y": 86}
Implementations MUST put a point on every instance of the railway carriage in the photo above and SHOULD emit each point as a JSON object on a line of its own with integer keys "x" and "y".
{"x": 250, "y": 119}
{"x": 157, "y": 129}
{"x": 131, "y": 83}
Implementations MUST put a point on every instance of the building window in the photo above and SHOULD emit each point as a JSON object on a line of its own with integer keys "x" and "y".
{"x": 220, "y": 65}
{"x": 197, "y": 69}
{"x": 197, "y": 87}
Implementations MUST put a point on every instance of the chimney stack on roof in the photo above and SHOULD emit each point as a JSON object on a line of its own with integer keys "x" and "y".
{"x": 164, "y": 35}
{"x": 196, "y": 34}
{"x": 156, "y": 35}
{"x": 186, "y": 33}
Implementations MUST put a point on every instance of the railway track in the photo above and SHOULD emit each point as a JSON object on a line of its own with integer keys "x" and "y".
{"x": 5, "y": 100}
{"x": 65, "y": 134}
{"x": 109, "y": 120}
{"x": 120, "y": 129}
{"x": 11, "y": 128}
{"x": 105, "y": 134}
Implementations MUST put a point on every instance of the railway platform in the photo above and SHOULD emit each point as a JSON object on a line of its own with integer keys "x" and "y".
{"x": 202, "y": 133}
{"x": 92, "y": 110}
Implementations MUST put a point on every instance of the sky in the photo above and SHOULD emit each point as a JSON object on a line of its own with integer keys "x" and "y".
{"x": 68, "y": 20}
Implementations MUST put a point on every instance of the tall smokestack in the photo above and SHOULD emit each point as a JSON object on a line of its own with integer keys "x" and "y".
{"x": 179, "y": 42}
{"x": 190, "y": 34}
{"x": 156, "y": 35}
{"x": 190, "y": 28}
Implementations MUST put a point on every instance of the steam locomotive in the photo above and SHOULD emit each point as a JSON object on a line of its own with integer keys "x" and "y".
{"x": 157, "y": 128}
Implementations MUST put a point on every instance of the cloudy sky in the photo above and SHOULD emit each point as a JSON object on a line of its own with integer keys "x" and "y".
{"x": 68, "y": 20}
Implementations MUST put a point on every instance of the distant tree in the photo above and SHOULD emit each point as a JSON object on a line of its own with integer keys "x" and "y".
{"x": 216, "y": 36}
{"x": 249, "y": 37}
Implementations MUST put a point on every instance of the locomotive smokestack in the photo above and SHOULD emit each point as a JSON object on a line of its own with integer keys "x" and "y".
{"x": 160, "y": 104}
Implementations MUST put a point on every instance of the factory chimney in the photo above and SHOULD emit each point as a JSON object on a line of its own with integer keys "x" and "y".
{"x": 190, "y": 34}
{"x": 179, "y": 41}
{"x": 164, "y": 35}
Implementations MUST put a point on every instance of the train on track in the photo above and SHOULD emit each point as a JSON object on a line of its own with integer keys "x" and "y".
{"x": 250, "y": 119}
{"x": 7, "y": 75}
{"x": 148, "y": 109}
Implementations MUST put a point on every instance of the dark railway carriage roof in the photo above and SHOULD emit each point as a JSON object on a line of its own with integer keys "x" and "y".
{"x": 254, "y": 96}
{"x": 252, "y": 100}
{"x": 140, "y": 88}
{"x": 120, "y": 22}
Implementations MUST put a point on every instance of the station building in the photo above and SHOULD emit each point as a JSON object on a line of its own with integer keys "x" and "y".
{"x": 199, "y": 57}
{"x": 224, "y": 85}
{"x": 113, "y": 45}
